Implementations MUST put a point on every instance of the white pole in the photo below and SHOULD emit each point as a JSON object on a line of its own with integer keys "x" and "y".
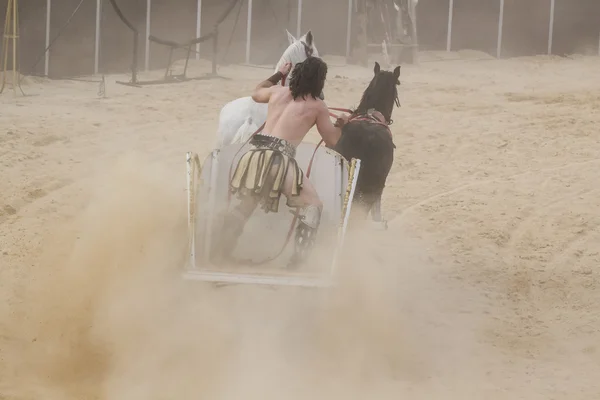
{"x": 349, "y": 30}
{"x": 248, "y": 31}
{"x": 212, "y": 201}
{"x": 346, "y": 220}
{"x": 414, "y": 37}
{"x": 198, "y": 27}
{"x": 500, "y": 29}
{"x": 191, "y": 175}
{"x": 97, "y": 44}
{"x": 551, "y": 26}
{"x": 299, "y": 21}
{"x": 148, "y": 12}
{"x": 449, "y": 34}
{"x": 47, "y": 56}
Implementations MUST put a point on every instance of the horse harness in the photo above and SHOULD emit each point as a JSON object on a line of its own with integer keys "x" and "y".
{"x": 373, "y": 116}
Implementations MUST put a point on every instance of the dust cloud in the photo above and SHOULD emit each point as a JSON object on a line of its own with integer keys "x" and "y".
{"x": 484, "y": 287}
{"x": 115, "y": 321}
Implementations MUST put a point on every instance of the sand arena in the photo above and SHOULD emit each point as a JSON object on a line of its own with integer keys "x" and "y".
{"x": 485, "y": 285}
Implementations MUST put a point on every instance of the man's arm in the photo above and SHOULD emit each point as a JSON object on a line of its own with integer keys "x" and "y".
{"x": 328, "y": 131}
{"x": 263, "y": 91}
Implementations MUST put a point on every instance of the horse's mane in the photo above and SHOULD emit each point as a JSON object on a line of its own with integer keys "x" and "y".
{"x": 381, "y": 95}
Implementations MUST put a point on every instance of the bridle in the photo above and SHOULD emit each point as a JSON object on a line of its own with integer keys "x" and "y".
{"x": 308, "y": 50}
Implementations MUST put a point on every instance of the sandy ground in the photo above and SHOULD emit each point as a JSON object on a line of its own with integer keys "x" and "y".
{"x": 484, "y": 286}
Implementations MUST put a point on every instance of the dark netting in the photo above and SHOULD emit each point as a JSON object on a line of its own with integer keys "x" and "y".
{"x": 475, "y": 27}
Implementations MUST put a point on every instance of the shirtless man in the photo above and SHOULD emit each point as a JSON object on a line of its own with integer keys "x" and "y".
{"x": 269, "y": 168}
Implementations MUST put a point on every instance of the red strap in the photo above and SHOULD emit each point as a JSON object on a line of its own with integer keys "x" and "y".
{"x": 360, "y": 118}
{"x": 341, "y": 109}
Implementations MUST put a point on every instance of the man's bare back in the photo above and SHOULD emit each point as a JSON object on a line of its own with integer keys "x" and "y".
{"x": 292, "y": 112}
{"x": 291, "y": 119}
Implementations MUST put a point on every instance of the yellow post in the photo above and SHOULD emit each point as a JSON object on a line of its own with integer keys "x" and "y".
{"x": 11, "y": 36}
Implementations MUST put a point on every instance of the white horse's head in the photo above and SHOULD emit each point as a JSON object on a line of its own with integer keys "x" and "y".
{"x": 298, "y": 51}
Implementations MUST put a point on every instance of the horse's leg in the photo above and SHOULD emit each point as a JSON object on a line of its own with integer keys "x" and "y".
{"x": 376, "y": 213}
{"x": 376, "y": 210}
{"x": 359, "y": 212}
{"x": 369, "y": 203}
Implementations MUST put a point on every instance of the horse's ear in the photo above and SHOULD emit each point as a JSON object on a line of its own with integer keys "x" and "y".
{"x": 291, "y": 37}
{"x": 377, "y": 68}
{"x": 397, "y": 72}
{"x": 309, "y": 38}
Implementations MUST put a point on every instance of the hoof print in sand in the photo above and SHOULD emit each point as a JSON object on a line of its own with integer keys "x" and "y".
{"x": 7, "y": 210}
{"x": 37, "y": 193}
{"x": 45, "y": 141}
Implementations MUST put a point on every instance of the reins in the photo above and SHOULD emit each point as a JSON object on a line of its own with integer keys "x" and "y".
{"x": 360, "y": 117}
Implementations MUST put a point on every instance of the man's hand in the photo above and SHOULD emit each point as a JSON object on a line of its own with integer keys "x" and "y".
{"x": 341, "y": 121}
{"x": 285, "y": 68}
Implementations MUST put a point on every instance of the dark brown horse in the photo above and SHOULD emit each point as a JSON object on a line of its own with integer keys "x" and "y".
{"x": 370, "y": 140}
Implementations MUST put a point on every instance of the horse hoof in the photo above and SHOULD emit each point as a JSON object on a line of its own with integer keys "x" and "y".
{"x": 380, "y": 225}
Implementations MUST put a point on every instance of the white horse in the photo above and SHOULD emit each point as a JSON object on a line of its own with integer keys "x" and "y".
{"x": 242, "y": 117}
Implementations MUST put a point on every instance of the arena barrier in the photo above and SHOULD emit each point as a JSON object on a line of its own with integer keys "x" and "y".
{"x": 187, "y": 46}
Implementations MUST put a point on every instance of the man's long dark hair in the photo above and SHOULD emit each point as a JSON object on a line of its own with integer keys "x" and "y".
{"x": 308, "y": 78}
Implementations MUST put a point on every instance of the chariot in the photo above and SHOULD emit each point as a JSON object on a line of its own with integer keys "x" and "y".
{"x": 265, "y": 246}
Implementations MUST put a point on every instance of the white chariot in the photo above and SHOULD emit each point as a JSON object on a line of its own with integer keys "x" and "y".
{"x": 265, "y": 244}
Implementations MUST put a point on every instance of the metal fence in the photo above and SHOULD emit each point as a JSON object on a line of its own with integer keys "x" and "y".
{"x": 509, "y": 28}
{"x": 94, "y": 39}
